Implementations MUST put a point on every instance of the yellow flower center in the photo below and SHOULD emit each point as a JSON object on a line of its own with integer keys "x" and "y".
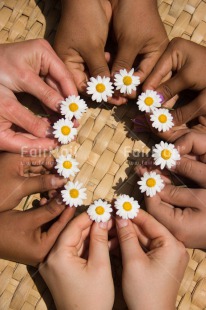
{"x": 65, "y": 130}
{"x": 166, "y": 154}
{"x": 127, "y": 206}
{"x": 99, "y": 210}
{"x": 151, "y": 182}
{"x": 100, "y": 88}
{"x": 67, "y": 164}
{"x": 73, "y": 107}
{"x": 74, "y": 193}
{"x": 162, "y": 118}
{"x": 149, "y": 101}
{"x": 127, "y": 80}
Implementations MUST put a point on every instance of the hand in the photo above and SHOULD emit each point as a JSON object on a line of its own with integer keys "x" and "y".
{"x": 69, "y": 274}
{"x": 21, "y": 176}
{"x": 139, "y": 31}
{"x": 81, "y": 38}
{"x": 146, "y": 275}
{"x": 187, "y": 60}
{"x": 182, "y": 209}
{"x": 36, "y": 59}
{"x": 24, "y": 238}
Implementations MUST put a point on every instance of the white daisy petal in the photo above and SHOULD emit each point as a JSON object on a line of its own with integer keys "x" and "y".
{"x": 64, "y": 131}
{"x": 73, "y": 194}
{"x": 151, "y": 183}
{"x": 73, "y": 106}
{"x": 125, "y": 81}
{"x": 100, "y": 211}
{"x": 100, "y": 88}
{"x": 148, "y": 101}
{"x": 126, "y": 206}
{"x": 66, "y": 166}
{"x": 162, "y": 119}
{"x": 165, "y": 154}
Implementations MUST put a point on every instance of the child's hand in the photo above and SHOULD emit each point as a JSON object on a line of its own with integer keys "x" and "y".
{"x": 75, "y": 280}
{"x": 139, "y": 31}
{"x": 36, "y": 60}
{"x": 188, "y": 62}
{"x": 181, "y": 209}
{"x": 150, "y": 280}
{"x": 21, "y": 176}
{"x": 24, "y": 237}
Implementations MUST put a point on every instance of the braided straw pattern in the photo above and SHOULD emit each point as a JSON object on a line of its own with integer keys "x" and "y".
{"x": 106, "y": 149}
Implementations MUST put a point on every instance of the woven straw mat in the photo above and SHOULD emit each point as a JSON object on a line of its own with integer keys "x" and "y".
{"x": 106, "y": 169}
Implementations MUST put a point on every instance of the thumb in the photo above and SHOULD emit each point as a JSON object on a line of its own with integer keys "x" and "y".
{"x": 41, "y": 183}
{"x": 173, "y": 86}
{"x": 146, "y": 65}
{"x": 97, "y": 63}
{"x": 128, "y": 241}
{"x": 125, "y": 58}
{"x": 99, "y": 249}
{"x": 191, "y": 169}
{"x": 189, "y": 111}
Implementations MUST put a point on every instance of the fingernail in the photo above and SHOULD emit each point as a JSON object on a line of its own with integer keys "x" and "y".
{"x": 58, "y": 105}
{"x": 49, "y": 132}
{"x": 56, "y": 181}
{"x": 103, "y": 225}
{"x": 59, "y": 201}
{"x": 122, "y": 223}
{"x": 161, "y": 97}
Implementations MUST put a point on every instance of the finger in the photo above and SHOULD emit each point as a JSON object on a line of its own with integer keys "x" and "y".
{"x": 150, "y": 227}
{"x": 48, "y": 212}
{"x": 41, "y": 183}
{"x": 57, "y": 227}
{"x": 189, "y": 111}
{"x": 191, "y": 169}
{"x": 192, "y": 143}
{"x": 163, "y": 67}
{"x": 183, "y": 196}
{"x": 130, "y": 247}
{"x": 75, "y": 230}
{"x": 19, "y": 143}
{"x": 146, "y": 65}
{"x": 98, "y": 248}
{"x": 125, "y": 58}
{"x": 97, "y": 64}
{"x": 24, "y": 118}
{"x": 38, "y": 88}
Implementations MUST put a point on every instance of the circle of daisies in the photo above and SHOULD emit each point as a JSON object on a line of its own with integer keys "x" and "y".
{"x": 164, "y": 154}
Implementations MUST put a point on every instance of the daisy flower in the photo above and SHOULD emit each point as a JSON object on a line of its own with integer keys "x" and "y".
{"x": 100, "y": 88}
{"x": 148, "y": 101}
{"x": 64, "y": 131}
{"x": 162, "y": 119}
{"x": 73, "y": 194}
{"x": 165, "y": 155}
{"x": 126, "y": 206}
{"x": 66, "y": 166}
{"x": 125, "y": 81}
{"x": 100, "y": 211}
{"x": 151, "y": 183}
{"x": 73, "y": 106}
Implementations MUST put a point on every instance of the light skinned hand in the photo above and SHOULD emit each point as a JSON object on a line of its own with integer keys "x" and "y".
{"x": 187, "y": 61}
{"x": 150, "y": 279}
{"x": 182, "y": 209}
{"x": 139, "y": 31}
{"x": 40, "y": 73}
{"x": 82, "y": 48}
{"x": 75, "y": 280}
{"x": 24, "y": 237}
{"x": 21, "y": 176}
